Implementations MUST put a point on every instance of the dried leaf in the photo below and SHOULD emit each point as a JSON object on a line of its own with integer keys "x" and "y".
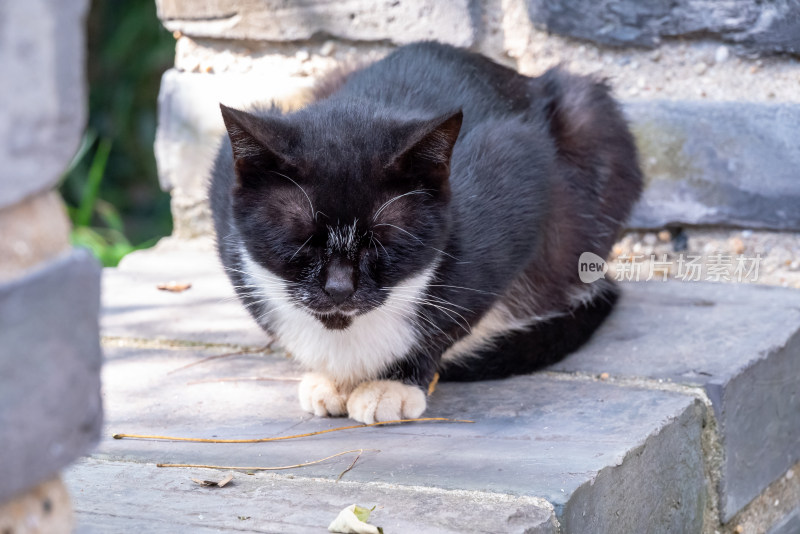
{"x": 349, "y": 522}
{"x": 174, "y": 287}
{"x": 218, "y": 484}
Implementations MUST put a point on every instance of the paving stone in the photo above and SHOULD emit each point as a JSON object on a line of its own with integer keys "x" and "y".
{"x": 149, "y": 499}
{"x": 741, "y": 343}
{"x": 208, "y": 312}
{"x": 50, "y": 409}
{"x": 758, "y": 26}
{"x": 564, "y": 441}
{"x": 43, "y": 93}
{"x": 401, "y": 21}
{"x": 714, "y": 163}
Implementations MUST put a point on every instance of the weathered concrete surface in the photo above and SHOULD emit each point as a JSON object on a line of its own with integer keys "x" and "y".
{"x": 582, "y": 445}
{"x": 760, "y": 26}
{"x": 788, "y": 525}
{"x": 401, "y": 21}
{"x": 50, "y": 409}
{"x": 42, "y": 91}
{"x": 166, "y": 500}
{"x": 740, "y": 343}
{"x": 208, "y": 312}
{"x": 731, "y": 164}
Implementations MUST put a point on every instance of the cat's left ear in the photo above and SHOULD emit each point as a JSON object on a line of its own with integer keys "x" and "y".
{"x": 429, "y": 147}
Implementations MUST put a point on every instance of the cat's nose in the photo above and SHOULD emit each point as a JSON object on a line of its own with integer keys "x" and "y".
{"x": 339, "y": 284}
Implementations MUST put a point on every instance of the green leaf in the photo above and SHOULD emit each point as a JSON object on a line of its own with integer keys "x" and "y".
{"x": 96, "y": 171}
{"x": 362, "y": 513}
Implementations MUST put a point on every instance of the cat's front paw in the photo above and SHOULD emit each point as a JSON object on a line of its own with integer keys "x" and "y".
{"x": 320, "y": 396}
{"x": 385, "y": 400}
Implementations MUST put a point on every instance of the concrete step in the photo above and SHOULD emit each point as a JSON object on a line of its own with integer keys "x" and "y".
{"x": 680, "y": 411}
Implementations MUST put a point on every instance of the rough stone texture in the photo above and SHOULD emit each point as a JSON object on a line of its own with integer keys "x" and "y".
{"x": 788, "y": 525}
{"x": 42, "y": 91}
{"x": 43, "y": 509}
{"x": 564, "y": 441}
{"x": 401, "y": 21}
{"x": 208, "y": 312}
{"x": 165, "y": 501}
{"x": 50, "y": 408}
{"x": 32, "y": 231}
{"x": 190, "y": 129}
{"x": 740, "y": 343}
{"x": 772, "y": 26}
{"x": 718, "y": 163}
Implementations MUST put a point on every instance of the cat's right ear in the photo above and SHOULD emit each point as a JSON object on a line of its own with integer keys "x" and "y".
{"x": 256, "y": 143}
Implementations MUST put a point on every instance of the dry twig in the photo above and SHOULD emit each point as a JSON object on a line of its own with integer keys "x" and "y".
{"x": 304, "y": 464}
{"x": 281, "y": 438}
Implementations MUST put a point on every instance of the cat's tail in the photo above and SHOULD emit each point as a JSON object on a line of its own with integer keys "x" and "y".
{"x": 593, "y": 139}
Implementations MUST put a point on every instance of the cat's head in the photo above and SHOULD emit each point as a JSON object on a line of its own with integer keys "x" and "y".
{"x": 340, "y": 204}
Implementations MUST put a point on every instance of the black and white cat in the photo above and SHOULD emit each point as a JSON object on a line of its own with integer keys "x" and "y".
{"x": 424, "y": 214}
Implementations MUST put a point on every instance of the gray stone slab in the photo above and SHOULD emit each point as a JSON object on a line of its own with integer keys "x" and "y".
{"x": 718, "y": 163}
{"x": 354, "y": 20}
{"x": 566, "y": 441}
{"x": 42, "y": 91}
{"x": 50, "y": 407}
{"x": 208, "y": 312}
{"x": 741, "y": 343}
{"x": 145, "y": 498}
{"x": 757, "y": 26}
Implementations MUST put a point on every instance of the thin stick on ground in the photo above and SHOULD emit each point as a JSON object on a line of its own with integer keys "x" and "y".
{"x": 349, "y": 467}
{"x": 244, "y": 379}
{"x": 216, "y": 357}
{"x": 295, "y": 466}
{"x": 281, "y": 438}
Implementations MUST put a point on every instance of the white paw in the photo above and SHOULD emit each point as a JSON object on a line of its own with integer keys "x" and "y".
{"x": 385, "y": 400}
{"x": 320, "y": 396}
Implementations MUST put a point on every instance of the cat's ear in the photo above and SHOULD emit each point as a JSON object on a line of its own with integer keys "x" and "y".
{"x": 428, "y": 148}
{"x": 257, "y": 143}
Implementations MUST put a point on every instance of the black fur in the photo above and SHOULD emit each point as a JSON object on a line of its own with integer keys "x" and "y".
{"x": 514, "y": 178}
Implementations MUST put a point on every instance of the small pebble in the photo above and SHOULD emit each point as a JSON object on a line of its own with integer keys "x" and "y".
{"x": 789, "y": 474}
{"x": 722, "y": 54}
{"x": 776, "y": 503}
{"x": 302, "y": 55}
{"x": 604, "y": 376}
{"x": 737, "y": 245}
{"x": 327, "y": 48}
{"x": 649, "y": 239}
{"x": 747, "y": 233}
{"x": 700, "y": 68}
{"x": 739, "y": 529}
{"x": 664, "y": 236}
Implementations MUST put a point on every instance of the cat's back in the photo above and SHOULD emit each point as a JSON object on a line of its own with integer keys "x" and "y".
{"x": 435, "y": 78}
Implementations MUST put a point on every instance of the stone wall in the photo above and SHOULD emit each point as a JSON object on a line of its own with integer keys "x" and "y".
{"x": 50, "y": 409}
{"x": 729, "y": 172}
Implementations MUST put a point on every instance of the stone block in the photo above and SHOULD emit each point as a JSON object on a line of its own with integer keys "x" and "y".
{"x": 35, "y": 230}
{"x": 788, "y": 525}
{"x": 50, "y": 408}
{"x": 208, "y": 312}
{"x": 163, "y": 501}
{"x": 740, "y": 343}
{"x": 757, "y": 26}
{"x": 718, "y": 163}
{"x": 190, "y": 128}
{"x": 606, "y": 458}
{"x": 43, "y": 93}
{"x": 402, "y": 21}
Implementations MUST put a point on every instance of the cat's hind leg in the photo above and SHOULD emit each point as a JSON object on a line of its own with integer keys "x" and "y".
{"x": 543, "y": 343}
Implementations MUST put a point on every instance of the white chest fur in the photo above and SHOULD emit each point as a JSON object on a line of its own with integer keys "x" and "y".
{"x": 360, "y": 352}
